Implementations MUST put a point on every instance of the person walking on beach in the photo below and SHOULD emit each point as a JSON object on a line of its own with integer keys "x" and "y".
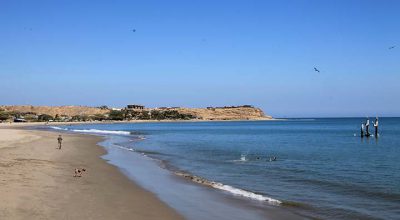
{"x": 59, "y": 139}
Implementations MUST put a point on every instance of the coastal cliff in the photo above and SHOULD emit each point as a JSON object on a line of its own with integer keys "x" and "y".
{"x": 55, "y": 110}
{"x": 232, "y": 113}
{"x": 84, "y": 113}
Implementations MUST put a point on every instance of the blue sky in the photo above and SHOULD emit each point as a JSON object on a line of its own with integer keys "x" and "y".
{"x": 204, "y": 53}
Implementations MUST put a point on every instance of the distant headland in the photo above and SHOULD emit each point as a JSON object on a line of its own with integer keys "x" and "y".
{"x": 28, "y": 113}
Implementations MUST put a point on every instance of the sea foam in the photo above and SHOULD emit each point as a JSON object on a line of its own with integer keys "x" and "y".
{"x": 93, "y": 131}
{"x": 58, "y": 128}
{"x": 230, "y": 189}
{"x": 96, "y": 131}
{"x": 244, "y": 193}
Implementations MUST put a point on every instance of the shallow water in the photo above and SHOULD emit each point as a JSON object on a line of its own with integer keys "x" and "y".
{"x": 193, "y": 201}
{"x": 323, "y": 168}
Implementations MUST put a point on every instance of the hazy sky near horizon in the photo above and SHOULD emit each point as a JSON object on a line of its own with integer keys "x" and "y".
{"x": 204, "y": 53}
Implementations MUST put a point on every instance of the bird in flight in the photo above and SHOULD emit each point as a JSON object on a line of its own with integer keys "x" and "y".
{"x": 133, "y": 30}
{"x": 392, "y": 47}
{"x": 316, "y": 70}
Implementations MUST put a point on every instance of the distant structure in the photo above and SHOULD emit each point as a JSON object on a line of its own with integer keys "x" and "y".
{"x": 134, "y": 107}
{"x": 365, "y": 128}
{"x": 362, "y": 130}
{"x": 376, "y": 125}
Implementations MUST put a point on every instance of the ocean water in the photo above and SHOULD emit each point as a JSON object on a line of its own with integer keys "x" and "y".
{"x": 323, "y": 169}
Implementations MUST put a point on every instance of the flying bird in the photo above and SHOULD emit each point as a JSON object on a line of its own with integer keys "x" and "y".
{"x": 392, "y": 47}
{"x": 316, "y": 70}
{"x": 133, "y": 30}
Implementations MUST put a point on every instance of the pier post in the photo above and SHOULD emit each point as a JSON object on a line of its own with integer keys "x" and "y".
{"x": 376, "y": 125}
{"x": 367, "y": 128}
{"x": 362, "y": 130}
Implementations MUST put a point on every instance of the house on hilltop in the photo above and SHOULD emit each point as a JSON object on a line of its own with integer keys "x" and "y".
{"x": 134, "y": 107}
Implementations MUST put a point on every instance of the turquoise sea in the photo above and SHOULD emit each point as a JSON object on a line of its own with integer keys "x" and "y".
{"x": 323, "y": 168}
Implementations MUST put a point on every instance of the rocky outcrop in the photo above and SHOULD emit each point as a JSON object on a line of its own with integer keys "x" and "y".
{"x": 230, "y": 113}
{"x": 210, "y": 113}
{"x": 56, "y": 110}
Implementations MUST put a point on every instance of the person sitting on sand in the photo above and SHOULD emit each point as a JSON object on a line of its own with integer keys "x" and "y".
{"x": 59, "y": 139}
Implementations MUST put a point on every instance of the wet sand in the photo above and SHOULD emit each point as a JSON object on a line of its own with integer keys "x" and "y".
{"x": 36, "y": 181}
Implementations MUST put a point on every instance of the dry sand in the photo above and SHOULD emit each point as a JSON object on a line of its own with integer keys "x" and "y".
{"x": 36, "y": 181}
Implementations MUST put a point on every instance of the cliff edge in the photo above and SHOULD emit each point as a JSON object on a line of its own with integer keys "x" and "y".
{"x": 226, "y": 113}
{"x": 84, "y": 113}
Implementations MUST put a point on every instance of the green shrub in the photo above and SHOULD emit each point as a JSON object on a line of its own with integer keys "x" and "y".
{"x": 144, "y": 115}
{"x": 31, "y": 117}
{"x": 116, "y": 115}
{"x": 4, "y": 116}
{"x": 98, "y": 117}
{"x": 80, "y": 118}
{"x": 45, "y": 117}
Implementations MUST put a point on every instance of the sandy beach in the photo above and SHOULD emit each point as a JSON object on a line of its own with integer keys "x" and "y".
{"x": 36, "y": 180}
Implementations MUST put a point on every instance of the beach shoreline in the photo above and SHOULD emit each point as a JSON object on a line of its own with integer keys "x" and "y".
{"x": 27, "y": 124}
{"x": 185, "y": 195}
{"x": 105, "y": 155}
{"x": 37, "y": 180}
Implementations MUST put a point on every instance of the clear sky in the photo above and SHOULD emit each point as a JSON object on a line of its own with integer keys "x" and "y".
{"x": 204, "y": 53}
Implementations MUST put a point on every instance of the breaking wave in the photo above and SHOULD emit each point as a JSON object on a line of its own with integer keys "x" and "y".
{"x": 93, "y": 131}
{"x": 96, "y": 131}
{"x": 230, "y": 189}
{"x": 58, "y": 128}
